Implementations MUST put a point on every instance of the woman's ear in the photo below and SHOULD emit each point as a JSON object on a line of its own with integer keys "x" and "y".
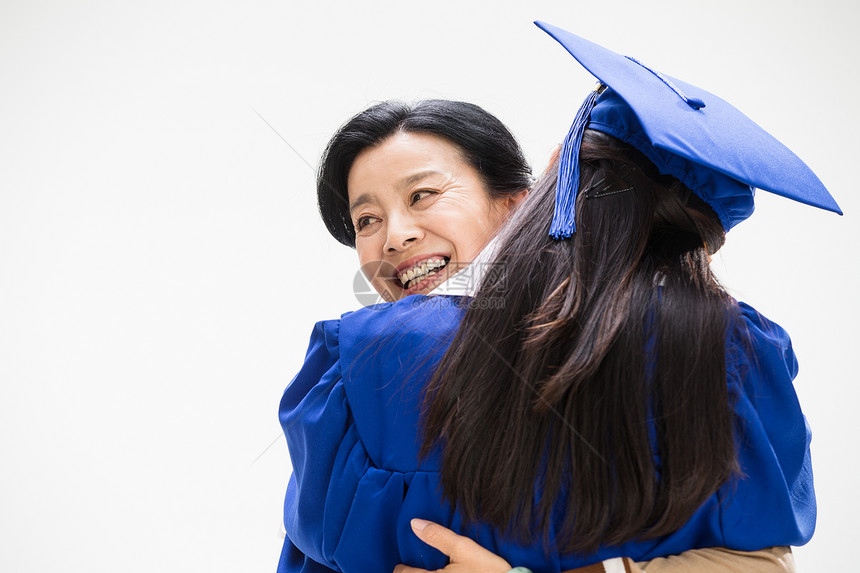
{"x": 512, "y": 201}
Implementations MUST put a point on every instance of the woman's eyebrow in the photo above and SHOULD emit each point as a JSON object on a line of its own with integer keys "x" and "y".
{"x": 405, "y": 182}
{"x": 415, "y": 178}
{"x": 361, "y": 200}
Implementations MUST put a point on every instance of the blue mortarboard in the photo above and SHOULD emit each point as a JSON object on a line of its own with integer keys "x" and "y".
{"x": 687, "y": 132}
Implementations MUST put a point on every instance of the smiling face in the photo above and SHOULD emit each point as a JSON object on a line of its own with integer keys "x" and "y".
{"x": 420, "y": 212}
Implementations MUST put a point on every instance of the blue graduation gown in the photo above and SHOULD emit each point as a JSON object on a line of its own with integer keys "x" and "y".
{"x": 351, "y": 418}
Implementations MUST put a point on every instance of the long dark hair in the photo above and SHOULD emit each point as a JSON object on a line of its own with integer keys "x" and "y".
{"x": 594, "y": 403}
{"x": 486, "y": 144}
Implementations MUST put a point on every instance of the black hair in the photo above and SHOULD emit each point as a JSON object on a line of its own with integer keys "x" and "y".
{"x": 593, "y": 401}
{"x": 486, "y": 144}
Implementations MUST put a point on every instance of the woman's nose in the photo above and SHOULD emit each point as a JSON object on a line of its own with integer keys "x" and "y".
{"x": 402, "y": 233}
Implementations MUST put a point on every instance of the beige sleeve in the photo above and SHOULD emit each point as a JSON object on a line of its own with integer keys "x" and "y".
{"x": 717, "y": 559}
{"x": 711, "y": 560}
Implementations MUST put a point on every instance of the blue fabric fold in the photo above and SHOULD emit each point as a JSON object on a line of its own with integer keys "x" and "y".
{"x": 352, "y": 417}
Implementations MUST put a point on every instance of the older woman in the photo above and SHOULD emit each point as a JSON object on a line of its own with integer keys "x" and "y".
{"x": 419, "y": 191}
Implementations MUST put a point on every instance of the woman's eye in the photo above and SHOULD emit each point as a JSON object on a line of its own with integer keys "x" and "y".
{"x": 363, "y": 222}
{"x": 420, "y": 194}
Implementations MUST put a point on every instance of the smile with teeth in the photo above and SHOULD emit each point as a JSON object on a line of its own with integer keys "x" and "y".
{"x": 418, "y": 273}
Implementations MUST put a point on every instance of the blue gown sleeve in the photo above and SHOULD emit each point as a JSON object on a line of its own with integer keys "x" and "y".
{"x": 350, "y": 419}
{"x": 773, "y": 501}
{"x": 312, "y": 395}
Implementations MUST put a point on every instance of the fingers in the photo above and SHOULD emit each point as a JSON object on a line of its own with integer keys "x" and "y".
{"x": 442, "y": 538}
{"x": 465, "y": 555}
{"x": 406, "y": 569}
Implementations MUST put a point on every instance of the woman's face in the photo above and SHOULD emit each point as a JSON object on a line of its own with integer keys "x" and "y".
{"x": 420, "y": 213}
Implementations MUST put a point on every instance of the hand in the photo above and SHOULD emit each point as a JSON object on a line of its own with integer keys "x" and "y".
{"x": 465, "y": 555}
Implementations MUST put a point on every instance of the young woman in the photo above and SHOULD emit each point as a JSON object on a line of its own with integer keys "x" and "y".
{"x": 625, "y": 406}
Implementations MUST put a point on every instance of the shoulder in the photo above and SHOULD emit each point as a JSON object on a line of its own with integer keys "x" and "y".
{"x": 760, "y": 328}
{"x": 411, "y": 319}
{"x": 365, "y": 344}
{"x": 760, "y": 344}
{"x": 371, "y": 366}
{"x": 320, "y": 370}
{"x": 386, "y": 339}
{"x": 416, "y": 315}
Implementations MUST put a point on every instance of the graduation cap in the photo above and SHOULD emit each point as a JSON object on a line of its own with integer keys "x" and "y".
{"x": 720, "y": 154}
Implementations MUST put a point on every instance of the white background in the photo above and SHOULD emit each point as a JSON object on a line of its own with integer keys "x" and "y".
{"x": 162, "y": 262}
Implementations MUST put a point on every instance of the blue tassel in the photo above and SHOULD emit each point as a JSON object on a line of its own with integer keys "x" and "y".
{"x": 563, "y": 223}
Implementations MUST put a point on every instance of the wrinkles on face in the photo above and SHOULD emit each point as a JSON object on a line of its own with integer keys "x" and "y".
{"x": 414, "y": 198}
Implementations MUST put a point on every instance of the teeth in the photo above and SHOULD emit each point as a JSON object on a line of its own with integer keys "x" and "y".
{"x": 428, "y": 268}
{"x": 417, "y": 280}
